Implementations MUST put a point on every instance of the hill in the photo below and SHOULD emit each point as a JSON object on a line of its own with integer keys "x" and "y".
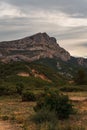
{"x": 41, "y": 47}
{"x": 27, "y": 75}
{"x": 37, "y": 58}
{"x": 31, "y": 65}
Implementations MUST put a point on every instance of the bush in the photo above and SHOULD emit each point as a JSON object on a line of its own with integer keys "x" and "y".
{"x": 39, "y": 95}
{"x": 81, "y": 77}
{"x": 7, "y": 90}
{"x": 28, "y": 96}
{"x": 72, "y": 89}
{"x": 5, "y": 118}
{"x": 60, "y": 126}
{"x": 44, "y": 115}
{"x": 53, "y": 101}
{"x": 19, "y": 88}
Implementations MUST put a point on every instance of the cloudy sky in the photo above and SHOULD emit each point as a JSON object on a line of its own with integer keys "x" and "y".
{"x": 64, "y": 19}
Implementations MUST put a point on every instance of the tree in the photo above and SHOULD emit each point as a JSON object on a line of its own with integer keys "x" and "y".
{"x": 80, "y": 77}
{"x": 53, "y": 101}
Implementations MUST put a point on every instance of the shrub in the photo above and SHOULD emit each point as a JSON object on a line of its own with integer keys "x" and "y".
{"x": 19, "y": 88}
{"x": 72, "y": 89}
{"x": 5, "y": 118}
{"x": 7, "y": 90}
{"x": 44, "y": 115}
{"x": 39, "y": 95}
{"x": 81, "y": 77}
{"x": 53, "y": 101}
{"x": 28, "y": 96}
{"x": 59, "y": 126}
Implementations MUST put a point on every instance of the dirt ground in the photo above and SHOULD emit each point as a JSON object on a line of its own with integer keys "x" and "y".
{"x": 18, "y": 112}
{"x": 5, "y": 125}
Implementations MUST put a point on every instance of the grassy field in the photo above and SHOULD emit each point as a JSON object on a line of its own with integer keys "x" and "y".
{"x": 19, "y": 113}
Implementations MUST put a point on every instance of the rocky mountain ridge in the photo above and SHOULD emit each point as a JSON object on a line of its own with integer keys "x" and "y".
{"x": 35, "y": 47}
{"x": 32, "y": 48}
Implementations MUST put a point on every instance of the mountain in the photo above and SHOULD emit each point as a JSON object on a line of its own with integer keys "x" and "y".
{"x": 41, "y": 49}
{"x": 32, "y": 48}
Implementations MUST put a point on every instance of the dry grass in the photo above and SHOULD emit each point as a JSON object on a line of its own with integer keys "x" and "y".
{"x": 77, "y": 94}
{"x": 5, "y": 125}
{"x": 79, "y": 100}
{"x": 15, "y": 111}
{"x": 19, "y": 113}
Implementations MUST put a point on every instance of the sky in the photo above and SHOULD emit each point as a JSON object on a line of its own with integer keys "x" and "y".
{"x": 66, "y": 20}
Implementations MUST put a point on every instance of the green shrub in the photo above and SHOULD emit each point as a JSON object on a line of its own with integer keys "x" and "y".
{"x": 19, "y": 88}
{"x": 44, "y": 115}
{"x": 7, "y": 90}
{"x": 81, "y": 77}
{"x": 28, "y": 96}
{"x": 53, "y": 101}
{"x": 39, "y": 95}
{"x": 5, "y": 118}
{"x": 59, "y": 126}
{"x": 72, "y": 89}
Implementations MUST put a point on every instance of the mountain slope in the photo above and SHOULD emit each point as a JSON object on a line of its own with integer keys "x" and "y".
{"x": 43, "y": 50}
{"x": 67, "y": 69}
{"x": 32, "y": 48}
{"x": 28, "y": 75}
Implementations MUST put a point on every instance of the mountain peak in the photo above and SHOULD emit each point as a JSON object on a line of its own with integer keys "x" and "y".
{"x": 40, "y": 36}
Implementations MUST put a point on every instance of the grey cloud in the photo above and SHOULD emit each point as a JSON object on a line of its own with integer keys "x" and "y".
{"x": 18, "y": 27}
{"x": 83, "y": 44}
{"x": 73, "y": 33}
{"x": 15, "y": 28}
{"x": 75, "y": 8}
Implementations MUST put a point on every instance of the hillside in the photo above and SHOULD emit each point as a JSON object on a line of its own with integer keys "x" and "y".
{"x": 28, "y": 75}
{"x": 30, "y": 69}
{"x": 44, "y": 50}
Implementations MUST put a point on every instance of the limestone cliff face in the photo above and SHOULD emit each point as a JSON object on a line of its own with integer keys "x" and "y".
{"x": 32, "y": 48}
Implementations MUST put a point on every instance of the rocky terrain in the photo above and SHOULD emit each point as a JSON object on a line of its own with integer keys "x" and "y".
{"x": 37, "y": 47}
{"x": 32, "y": 48}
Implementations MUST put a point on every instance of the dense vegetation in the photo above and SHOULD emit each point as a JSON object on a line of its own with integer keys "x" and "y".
{"x": 52, "y": 109}
{"x": 81, "y": 77}
{"x": 53, "y": 101}
{"x": 50, "y": 106}
{"x": 69, "y": 69}
{"x": 12, "y": 83}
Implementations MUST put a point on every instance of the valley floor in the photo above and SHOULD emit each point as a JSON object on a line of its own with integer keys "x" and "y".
{"x": 16, "y": 115}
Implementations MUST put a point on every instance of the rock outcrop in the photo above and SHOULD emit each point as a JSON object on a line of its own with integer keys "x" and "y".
{"x": 82, "y": 61}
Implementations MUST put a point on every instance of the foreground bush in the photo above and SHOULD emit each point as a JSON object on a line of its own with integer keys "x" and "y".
{"x": 59, "y": 126}
{"x": 55, "y": 102}
{"x": 44, "y": 115}
{"x": 28, "y": 96}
